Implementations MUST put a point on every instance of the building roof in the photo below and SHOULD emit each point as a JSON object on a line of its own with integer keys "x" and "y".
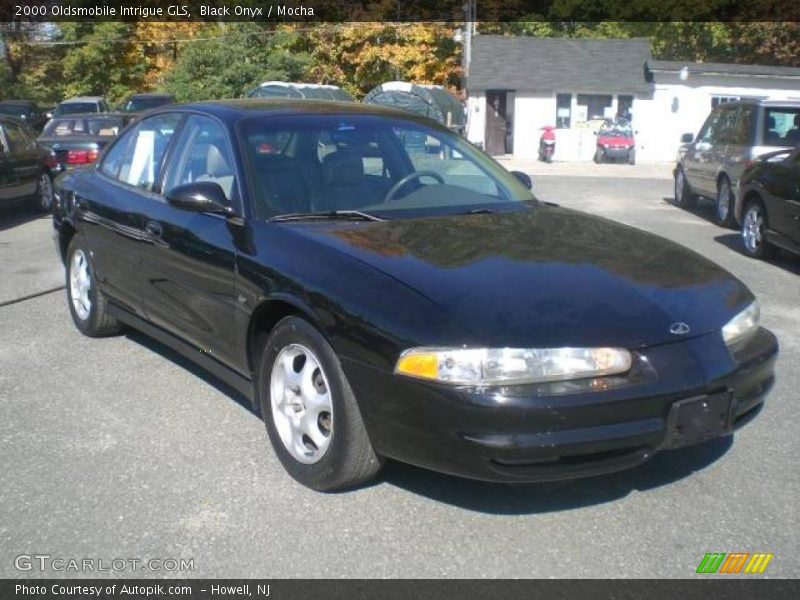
{"x": 728, "y": 69}
{"x": 559, "y": 64}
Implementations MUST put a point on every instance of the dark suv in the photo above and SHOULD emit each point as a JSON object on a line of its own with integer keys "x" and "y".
{"x": 734, "y": 134}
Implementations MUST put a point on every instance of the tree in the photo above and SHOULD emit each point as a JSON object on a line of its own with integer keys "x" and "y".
{"x": 231, "y": 59}
{"x": 106, "y": 61}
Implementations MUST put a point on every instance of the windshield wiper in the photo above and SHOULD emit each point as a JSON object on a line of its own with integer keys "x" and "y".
{"x": 352, "y": 215}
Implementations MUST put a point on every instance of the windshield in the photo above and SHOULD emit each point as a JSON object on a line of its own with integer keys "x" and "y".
{"x": 105, "y": 127}
{"x": 140, "y": 104}
{"x": 14, "y": 110}
{"x": 73, "y": 108}
{"x": 391, "y": 167}
{"x": 616, "y": 131}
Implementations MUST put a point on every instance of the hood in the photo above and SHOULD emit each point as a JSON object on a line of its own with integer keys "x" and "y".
{"x": 545, "y": 276}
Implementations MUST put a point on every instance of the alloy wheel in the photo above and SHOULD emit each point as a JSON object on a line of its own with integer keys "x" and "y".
{"x": 302, "y": 407}
{"x": 753, "y": 229}
{"x": 724, "y": 201}
{"x": 80, "y": 285}
{"x": 45, "y": 192}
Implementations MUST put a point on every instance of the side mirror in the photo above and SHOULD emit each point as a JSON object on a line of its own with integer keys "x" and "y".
{"x": 687, "y": 138}
{"x": 523, "y": 178}
{"x": 200, "y": 196}
{"x": 49, "y": 115}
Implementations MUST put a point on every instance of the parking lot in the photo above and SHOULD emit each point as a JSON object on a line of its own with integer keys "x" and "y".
{"x": 119, "y": 448}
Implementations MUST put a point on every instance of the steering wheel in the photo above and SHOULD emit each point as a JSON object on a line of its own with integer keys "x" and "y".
{"x": 415, "y": 175}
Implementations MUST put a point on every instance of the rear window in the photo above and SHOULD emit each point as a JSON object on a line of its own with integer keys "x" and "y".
{"x": 782, "y": 126}
{"x": 93, "y": 127}
{"x": 146, "y": 103}
{"x": 73, "y": 108}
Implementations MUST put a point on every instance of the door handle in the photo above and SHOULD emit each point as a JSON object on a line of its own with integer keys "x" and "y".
{"x": 153, "y": 229}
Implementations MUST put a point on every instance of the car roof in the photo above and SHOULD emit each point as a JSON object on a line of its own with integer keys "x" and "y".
{"x": 83, "y": 99}
{"x": 233, "y": 110}
{"x": 769, "y": 102}
{"x": 92, "y": 115}
{"x": 19, "y": 102}
{"x": 151, "y": 95}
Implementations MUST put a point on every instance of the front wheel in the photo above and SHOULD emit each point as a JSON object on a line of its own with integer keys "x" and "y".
{"x": 310, "y": 412}
{"x": 631, "y": 157}
{"x": 87, "y": 304}
{"x": 598, "y": 156}
{"x": 754, "y": 230}
{"x": 684, "y": 197}
{"x": 724, "y": 208}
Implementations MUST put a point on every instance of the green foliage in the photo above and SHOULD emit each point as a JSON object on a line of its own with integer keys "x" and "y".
{"x": 236, "y": 58}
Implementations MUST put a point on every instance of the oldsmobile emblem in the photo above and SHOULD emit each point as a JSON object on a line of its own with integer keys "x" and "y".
{"x": 679, "y": 328}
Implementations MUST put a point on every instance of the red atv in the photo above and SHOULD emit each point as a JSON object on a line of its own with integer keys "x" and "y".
{"x": 547, "y": 143}
{"x": 615, "y": 142}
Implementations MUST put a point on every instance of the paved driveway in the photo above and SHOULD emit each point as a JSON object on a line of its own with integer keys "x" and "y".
{"x": 120, "y": 448}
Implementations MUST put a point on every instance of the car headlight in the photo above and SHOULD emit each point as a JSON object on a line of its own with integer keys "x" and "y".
{"x": 487, "y": 366}
{"x": 742, "y": 326}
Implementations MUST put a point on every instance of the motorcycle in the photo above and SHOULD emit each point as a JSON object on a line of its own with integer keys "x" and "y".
{"x": 547, "y": 144}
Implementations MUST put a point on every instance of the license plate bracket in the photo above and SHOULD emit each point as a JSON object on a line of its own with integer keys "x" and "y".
{"x": 698, "y": 419}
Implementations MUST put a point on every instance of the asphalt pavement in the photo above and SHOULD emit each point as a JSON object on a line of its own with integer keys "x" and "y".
{"x": 120, "y": 449}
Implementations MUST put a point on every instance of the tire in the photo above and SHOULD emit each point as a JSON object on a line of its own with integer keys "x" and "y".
{"x": 42, "y": 202}
{"x": 754, "y": 228}
{"x": 723, "y": 210}
{"x": 684, "y": 197}
{"x": 89, "y": 310}
{"x": 598, "y": 156}
{"x": 331, "y": 451}
{"x": 631, "y": 157}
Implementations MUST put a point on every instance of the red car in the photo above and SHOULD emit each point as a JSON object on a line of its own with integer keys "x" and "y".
{"x": 615, "y": 142}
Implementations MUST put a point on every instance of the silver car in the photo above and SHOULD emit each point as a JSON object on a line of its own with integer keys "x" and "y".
{"x": 734, "y": 134}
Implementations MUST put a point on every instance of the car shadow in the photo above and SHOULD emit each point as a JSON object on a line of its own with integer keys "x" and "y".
{"x": 703, "y": 209}
{"x": 530, "y": 498}
{"x": 183, "y": 362}
{"x": 784, "y": 260}
{"x": 498, "y": 498}
{"x": 13, "y": 216}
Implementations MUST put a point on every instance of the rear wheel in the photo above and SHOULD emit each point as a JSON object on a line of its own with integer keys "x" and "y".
{"x": 87, "y": 304}
{"x": 43, "y": 200}
{"x": 631, "y": 157}
{"x": 598, "y": 156}
{"x": 310, "y": 412}
{"x": 683, "y": 193}
{"x": 754, "y": 229}
{"x": 724, "y": 208}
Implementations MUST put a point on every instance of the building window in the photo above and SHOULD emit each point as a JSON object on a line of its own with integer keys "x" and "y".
{"x": 563, "y": 111}
{"x": 596, "y": 105}
{"x": 624, "y": 108}
{"x": 717, "y": 100}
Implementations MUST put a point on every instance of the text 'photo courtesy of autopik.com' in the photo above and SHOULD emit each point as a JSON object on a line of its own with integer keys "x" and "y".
{"x": 399, "y": 299}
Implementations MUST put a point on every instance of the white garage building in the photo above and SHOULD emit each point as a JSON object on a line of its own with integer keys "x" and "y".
{"x": 517, "y": 85}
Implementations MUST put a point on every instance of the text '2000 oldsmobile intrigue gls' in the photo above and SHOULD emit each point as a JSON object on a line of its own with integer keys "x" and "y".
{"x": 381, "y": 289}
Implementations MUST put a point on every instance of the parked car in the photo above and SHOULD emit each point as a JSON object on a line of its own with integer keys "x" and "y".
{"x": 733, "y": 136}
{"x": 768, "y": 204}
{"x": 375, "y": 301}
{"x": 142, "y": 102}
{"x": 25, "y": 167}
{"x": 615, "y": 142}
{"x": 26, "y": 111}
{"x": 78, "y": 139}
{"x": 80, "y": 105}
{"x": 311, "y": 91}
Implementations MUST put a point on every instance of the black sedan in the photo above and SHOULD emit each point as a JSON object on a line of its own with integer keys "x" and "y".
{"x": 24, "y": 110}
{"x": 768, "y": 204}
{"x": 26, "y": 168}
{"x": 377, "y": 301}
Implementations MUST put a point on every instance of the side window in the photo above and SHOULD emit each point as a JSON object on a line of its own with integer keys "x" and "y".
{"x": 112, "y": 161}
{"x": 203, "y": 154}
{"x": 17, "y": 140}
{"x": 141, "y": 164}
{"x": 709, "y": 127}
{"x": 724, "y": 128}
{"x": 742, "y": 132}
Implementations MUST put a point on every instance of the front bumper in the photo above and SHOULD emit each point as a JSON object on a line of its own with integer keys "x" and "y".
{"x": 564, "y": 430}
{"x": 616, "y": 151}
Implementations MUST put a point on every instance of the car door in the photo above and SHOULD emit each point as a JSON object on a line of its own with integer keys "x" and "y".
{"x": 189, "y": 262}
{"x": 115, "y": 207}
{"x": 786, "y": 198}
{"x": 699, "y": 152}
{"x": 741, "y": 138}
{"x": 24, "y": 163}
